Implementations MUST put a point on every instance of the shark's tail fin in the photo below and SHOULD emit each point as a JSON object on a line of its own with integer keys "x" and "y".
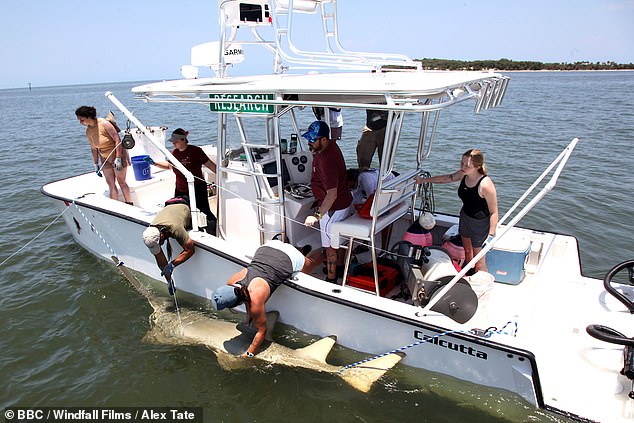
{"x": 362, "y": 377}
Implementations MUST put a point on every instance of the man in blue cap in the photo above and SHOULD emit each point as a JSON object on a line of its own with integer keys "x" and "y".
{"x": 329, "y": 182}
{"x": 272, "y": 264}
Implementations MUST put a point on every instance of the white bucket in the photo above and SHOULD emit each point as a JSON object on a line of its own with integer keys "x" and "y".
{"x": 481, "y": 282}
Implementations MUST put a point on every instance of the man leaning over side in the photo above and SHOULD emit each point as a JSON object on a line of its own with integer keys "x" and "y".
{"x": 171, "y": 221}
{"x": 272, "y": 264}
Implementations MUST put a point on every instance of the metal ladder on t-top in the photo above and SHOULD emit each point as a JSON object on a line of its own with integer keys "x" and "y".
{"x": 265, "y": 201}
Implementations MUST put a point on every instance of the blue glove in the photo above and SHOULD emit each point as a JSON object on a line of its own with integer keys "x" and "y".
{"x": 171, "y": 288}
{"x": 97, "y": 170}
{"x": 489, "y": 240}
{"x": 167, "y": 270}
{"x": 117, "y": 164}
{"x": 148, "y": 160}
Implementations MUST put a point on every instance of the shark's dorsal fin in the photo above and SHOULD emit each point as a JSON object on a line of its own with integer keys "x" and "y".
{"x": 363, "y": 376}
{"x": 319, "y": 350}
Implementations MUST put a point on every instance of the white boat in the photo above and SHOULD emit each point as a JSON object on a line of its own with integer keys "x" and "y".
{"x": 541, "y": 306}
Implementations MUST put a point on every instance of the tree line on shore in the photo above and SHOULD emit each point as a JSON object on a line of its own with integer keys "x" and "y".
{"x": 512, "y": 65}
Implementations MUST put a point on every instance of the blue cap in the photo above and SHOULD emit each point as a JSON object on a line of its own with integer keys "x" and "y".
{"x": 224, "y": 297}
{"x": 316, "y": 130}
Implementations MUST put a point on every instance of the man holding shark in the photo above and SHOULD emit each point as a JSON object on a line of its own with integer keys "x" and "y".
{"x": 272, "y": 264}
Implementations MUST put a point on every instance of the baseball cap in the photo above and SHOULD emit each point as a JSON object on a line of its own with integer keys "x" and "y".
{"x": 316, "y": 130}
{"x": 152, "y": 239}
{"x": 178, "y": 134}
{"x": 224, "y": 297}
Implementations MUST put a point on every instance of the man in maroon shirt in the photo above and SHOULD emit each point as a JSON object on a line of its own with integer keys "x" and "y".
{"x": 329, "y": 183}
{"x": 193, "y": 158}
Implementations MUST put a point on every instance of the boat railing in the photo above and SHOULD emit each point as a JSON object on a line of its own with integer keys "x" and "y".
{"x": 280, "y": 14}
{"x": 150, "y": 136}
{"x": 560, "y": 162}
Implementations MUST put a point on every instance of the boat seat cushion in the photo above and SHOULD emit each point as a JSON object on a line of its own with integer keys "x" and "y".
{"x": 358, "y": 227}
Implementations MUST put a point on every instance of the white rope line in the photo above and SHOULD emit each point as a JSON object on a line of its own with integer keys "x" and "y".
{"x": 106, "y": 159}
{"x": 36, "y": 237}
{"x": 96, "y": 231}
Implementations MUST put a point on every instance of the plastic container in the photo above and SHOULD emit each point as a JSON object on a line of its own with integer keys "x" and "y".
{"x": 141, "y": 168}
{"x": 363, "y": 278}
{"x": 507, "y": 259}
{"x": 292, "y": 147}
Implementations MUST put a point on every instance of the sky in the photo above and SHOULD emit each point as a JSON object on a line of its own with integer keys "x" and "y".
{"x": 65, "y": 42}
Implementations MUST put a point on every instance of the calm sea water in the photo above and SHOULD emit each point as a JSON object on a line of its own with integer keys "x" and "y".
{"x": 73, "y": 329}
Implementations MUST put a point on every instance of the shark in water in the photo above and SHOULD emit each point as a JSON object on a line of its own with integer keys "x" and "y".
{"x": 229, "y": 339}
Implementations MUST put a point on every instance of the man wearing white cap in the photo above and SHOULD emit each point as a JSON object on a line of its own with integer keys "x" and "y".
{"x": 171, "y": 221}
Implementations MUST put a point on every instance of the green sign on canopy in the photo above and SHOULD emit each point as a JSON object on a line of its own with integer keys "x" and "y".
{"x": 230, "y": 107}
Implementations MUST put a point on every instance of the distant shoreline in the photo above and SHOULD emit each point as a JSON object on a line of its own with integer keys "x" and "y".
{"x": 565, "y": 70}
{"x": 506, "y": 65}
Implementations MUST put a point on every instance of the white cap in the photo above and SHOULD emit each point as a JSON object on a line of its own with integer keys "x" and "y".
{"x": 152, "y": 239}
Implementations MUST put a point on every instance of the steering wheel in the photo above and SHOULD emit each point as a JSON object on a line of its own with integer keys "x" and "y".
{"x": 299, "y": 191}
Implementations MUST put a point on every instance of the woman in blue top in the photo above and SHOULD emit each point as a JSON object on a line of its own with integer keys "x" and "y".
{"x": 479, "y": 213}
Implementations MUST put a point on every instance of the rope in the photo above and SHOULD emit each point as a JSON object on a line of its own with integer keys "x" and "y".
{"x": 34, "y": 238}
{"x": 94, "y": 229}
{"x": 121, "y": 262}
{"x": 106, "y": 159}
{"x": 486, "y": 334}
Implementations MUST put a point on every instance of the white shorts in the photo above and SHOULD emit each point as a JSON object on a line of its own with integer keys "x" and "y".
{"x": 329, "y": 218}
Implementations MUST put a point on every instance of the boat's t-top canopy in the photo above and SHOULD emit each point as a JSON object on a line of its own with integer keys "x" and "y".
{"x": 408, "y": 91}
{"x": 336, "y": 77}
